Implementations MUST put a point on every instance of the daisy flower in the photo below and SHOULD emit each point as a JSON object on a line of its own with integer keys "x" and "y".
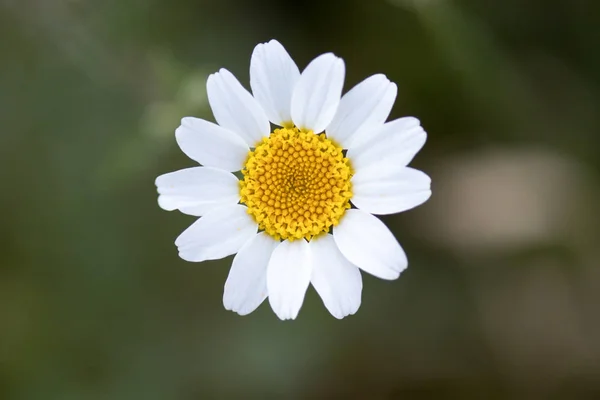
{"x": 302, "y": 211}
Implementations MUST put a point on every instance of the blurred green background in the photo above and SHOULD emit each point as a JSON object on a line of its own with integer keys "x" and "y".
{"x": 501, "y": 298}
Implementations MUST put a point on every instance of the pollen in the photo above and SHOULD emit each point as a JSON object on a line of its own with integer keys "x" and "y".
{"x": 296, "y": 184}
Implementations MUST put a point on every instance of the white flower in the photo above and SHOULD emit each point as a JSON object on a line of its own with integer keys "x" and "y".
{"x": 289, "y": 219}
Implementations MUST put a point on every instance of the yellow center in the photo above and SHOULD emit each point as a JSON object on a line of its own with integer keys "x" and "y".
{"x": 296, "y": 184}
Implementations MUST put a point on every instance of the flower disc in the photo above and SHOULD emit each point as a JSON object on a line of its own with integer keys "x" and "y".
{"x": 296, "y": 184}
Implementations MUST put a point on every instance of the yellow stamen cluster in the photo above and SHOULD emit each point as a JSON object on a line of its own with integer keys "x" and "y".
{"x": 296, "y": 184}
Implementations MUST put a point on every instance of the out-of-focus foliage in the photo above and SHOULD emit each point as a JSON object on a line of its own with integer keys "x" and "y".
{"x": 502, "y": 293}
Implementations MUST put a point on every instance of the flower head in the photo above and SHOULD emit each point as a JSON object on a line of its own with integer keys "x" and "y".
{"x": 302, "y": 212}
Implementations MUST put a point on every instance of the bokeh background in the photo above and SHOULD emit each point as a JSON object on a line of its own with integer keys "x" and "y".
{"x": 500, "y": 301}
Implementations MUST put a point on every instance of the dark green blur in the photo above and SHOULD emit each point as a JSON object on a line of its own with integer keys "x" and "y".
{"x": 502, "y": 295}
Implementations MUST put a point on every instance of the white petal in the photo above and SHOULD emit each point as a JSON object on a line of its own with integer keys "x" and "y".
{"x": 220, "y": 233}
{"x": 235, "y": 108}
{"x": 396, "y": 142}
{"x": 273, "y": 76}
{"x": 367, "y": 243}
{"x": 317, "y": 93}
{"x": 389, "y": 190}
{"x": 211, "y": 145}
{"x": 336, "y": 279}
{"x": 362, "y": 110}
{"x": 197, "y": 190}
{"x": 288, "y": 276}
{"x": 246, "y": 285}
